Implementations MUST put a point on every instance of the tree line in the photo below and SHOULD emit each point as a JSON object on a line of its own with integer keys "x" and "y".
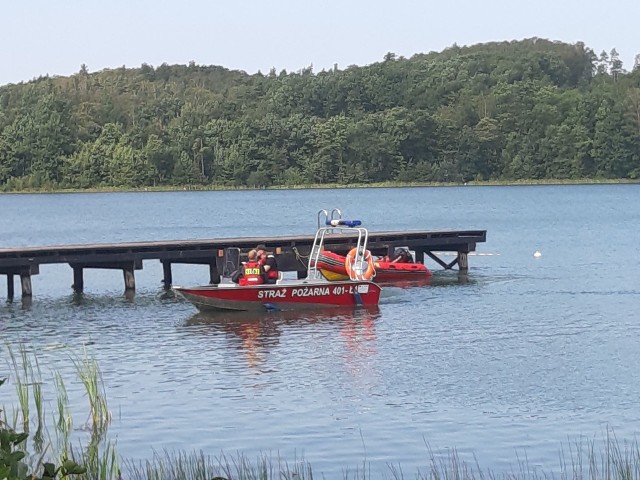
{"x": 531, "y": 109}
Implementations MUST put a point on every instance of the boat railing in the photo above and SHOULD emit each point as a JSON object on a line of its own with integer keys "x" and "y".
{"x": 339, "y": 226}
{"x": 325, "y": 217}
{"x": 314, "y": 255}
{"x": 359, "y": 262}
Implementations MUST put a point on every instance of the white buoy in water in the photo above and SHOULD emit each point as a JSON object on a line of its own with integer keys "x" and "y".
{"x": 537, "y": 254}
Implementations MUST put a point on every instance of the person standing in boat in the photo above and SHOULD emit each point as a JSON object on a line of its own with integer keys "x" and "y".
{"x": 251, "y": 272}
{"x": 268, "y": 263}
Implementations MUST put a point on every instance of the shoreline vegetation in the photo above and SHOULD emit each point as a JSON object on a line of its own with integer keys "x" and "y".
{"x": 532, "y": 110}
{"x": 230, "y": 188}
{"x": 46, "y": 441}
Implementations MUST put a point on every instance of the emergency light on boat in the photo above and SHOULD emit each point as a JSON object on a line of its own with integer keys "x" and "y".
{"x": 342, "y": 222}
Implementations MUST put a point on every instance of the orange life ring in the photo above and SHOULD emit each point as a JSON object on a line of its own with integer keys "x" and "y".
{"x": 367, "y": 274}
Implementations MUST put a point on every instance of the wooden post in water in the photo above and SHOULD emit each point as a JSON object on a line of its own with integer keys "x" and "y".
{"x": 129, "y": 279}
{"x": 463, "y": 263}
{"x": 10, "y": 290}
{"x": 167, "y": 277}
{"x": 25, "y": 280}
{"x": 419, "y": 255}
{"x": 78, "y": 280}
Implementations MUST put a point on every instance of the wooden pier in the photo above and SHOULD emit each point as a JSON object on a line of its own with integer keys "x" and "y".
{"x": 291, "y": 253}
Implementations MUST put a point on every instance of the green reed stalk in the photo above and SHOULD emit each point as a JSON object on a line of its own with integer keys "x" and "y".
{"x": 606, "y": 460}
{"x": 64, "y": 420}
{"x": 27, "y": 378}
{"x": 198, "y": 466}
{"x": 36, "y": 383}
{"x": 21, "y": 373}
{"x": 100, "y": 464}
{"x": 91, "y": 377}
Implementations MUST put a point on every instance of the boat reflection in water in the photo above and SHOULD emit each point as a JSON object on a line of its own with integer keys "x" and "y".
{"x": 408, "y": 283}
{"x": 257, "y": 334}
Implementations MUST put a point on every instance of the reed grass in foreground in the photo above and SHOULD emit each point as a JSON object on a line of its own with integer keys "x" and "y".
{"x": 53, "y": 446}
{"x": 580, "y": 460}
{"x": 605, "y": 459}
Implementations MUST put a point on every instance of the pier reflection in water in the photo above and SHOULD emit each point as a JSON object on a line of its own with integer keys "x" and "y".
{"x": 256, "y": 333}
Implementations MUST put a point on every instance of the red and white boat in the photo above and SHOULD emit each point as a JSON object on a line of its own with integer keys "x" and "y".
{"x": 313, "y": 292}
{"x": 333, "y": 267}
{"x": 286, "y": 296}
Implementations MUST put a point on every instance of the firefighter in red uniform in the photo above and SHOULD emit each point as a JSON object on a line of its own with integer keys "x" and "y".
{"x": 252, "y": 271}
{"x": 269, "y": 264}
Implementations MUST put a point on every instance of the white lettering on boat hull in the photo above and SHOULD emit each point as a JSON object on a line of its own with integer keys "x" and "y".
{"x": 309, "y": 291}
{"x": 265, "y": 294}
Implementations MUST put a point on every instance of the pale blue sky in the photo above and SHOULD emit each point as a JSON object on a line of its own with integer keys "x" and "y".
{"x": 40, "y": 37}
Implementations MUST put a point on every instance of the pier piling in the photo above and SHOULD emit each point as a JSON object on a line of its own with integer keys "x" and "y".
{"x": 78, "y": 280}
{"x": 25, "y": 280}
{"x": 167, "y": 278}
{"x": 10, "y": 287}
{"x": 463, "y": 263}
{"x": 129, "y": 279}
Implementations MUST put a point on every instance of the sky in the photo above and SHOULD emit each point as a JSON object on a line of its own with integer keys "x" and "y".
{"x": 44, "y": 37}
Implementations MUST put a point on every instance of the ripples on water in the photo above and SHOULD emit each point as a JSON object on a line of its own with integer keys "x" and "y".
{"x": 524, "y": 355}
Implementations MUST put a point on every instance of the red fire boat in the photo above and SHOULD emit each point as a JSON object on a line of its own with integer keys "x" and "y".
{"x": 286, "y": 296}
{"x": 313, "y": 292}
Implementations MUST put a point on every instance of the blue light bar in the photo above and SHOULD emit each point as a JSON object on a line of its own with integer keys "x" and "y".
{"x": 344, "y": 223}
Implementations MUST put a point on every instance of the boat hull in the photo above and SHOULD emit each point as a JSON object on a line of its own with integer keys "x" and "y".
{"x": 390, "y": 272}
{"x": 332, "y": 267}
{"x": 281, "y": 297}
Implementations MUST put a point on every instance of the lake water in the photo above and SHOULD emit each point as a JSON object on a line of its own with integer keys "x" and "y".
{"x": 526, "y": 356}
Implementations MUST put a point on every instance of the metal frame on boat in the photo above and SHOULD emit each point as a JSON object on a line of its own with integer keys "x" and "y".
{"x": 358, "y": 263}
{"x": 312, "y": 292}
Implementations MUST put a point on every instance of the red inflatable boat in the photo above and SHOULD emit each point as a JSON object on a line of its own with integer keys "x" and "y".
{"x": 332, "y": 266}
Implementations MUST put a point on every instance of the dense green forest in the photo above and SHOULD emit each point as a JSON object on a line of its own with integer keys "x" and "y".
{"x": 531, "y": 109}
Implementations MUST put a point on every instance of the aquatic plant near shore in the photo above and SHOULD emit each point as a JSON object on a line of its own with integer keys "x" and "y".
{"x": 91, "y": 377}
{"x": 583, "y": 460}
{"x": 23, "y": 377}
{"x": 12, "y": 454}
{"x": 198, "y": 466}
{"x": 100, "y": 459}
{"x": 64, "y": 421}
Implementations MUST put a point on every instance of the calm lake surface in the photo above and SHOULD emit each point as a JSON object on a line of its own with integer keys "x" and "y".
{"x": 527, "y": 356}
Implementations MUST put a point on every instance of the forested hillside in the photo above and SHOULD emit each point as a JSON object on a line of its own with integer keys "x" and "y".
{"x": 532, "y": 109}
